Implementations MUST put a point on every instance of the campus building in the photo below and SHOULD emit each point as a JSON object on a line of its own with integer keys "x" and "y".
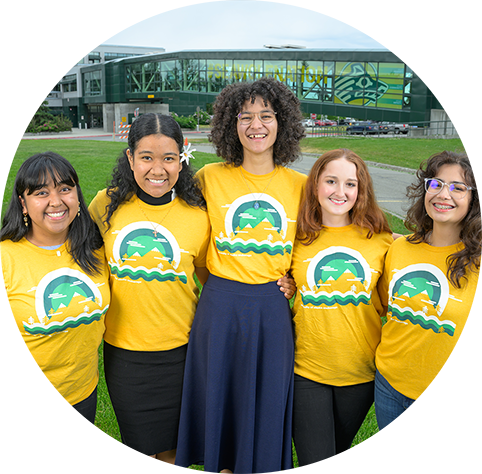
{"x": 363, "y": 84}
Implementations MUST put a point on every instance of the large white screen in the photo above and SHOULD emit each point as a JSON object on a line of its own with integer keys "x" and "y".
{"x": 352, "y": 25}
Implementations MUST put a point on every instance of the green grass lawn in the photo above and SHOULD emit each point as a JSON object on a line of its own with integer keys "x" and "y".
{"x": 94, "y": 161}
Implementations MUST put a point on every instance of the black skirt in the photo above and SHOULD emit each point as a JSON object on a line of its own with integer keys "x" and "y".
{"x": 145, "y": 389}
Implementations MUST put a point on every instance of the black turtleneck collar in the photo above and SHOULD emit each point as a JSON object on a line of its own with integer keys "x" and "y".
{"x": 153, "y": 201}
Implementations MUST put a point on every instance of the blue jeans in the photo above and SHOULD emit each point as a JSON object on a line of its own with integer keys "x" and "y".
{"x": 393, "y": 417}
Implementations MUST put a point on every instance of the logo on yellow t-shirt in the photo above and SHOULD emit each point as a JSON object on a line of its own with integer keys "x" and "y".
{"x": 418, "y": 294}
{"x": 337, "y": 276}
{"x": 258, "y": 226}
{"x": 146, "y": 251}
{"x": 61, "y": 292}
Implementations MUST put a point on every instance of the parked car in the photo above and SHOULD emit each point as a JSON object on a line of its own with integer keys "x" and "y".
{"x": 401, "y": 128}
{"x": 308, "y": 123}
{"x": 363, "y": 128}
{"x": 395, "y": 127}
{"x": 384, "y": 127}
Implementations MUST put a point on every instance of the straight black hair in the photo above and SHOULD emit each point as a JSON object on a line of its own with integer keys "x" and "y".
{"x": 83, "y": 237}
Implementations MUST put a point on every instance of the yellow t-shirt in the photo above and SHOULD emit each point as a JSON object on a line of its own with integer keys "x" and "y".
{"x": 152, "y": 252}
{"x": 426, "y": 315}
{"x": 337, "y": 308}
{"x": 253, "y": 221}
{"x": 60, "y": 313}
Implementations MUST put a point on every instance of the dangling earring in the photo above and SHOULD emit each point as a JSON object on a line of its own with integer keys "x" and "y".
{"x": 78, "y": 212}
{"x": 25, "y": 220}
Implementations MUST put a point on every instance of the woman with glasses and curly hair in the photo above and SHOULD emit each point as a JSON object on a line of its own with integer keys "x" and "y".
{"x": 429, "y": 282}
{"x": 238, "y": 386}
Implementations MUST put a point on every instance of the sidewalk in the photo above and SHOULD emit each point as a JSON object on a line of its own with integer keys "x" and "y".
{"x": 94, "y": 133}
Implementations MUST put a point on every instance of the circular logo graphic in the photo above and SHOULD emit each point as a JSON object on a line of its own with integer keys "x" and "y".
{"x": 139, "y": 238}
{"x": 331, "y": 263}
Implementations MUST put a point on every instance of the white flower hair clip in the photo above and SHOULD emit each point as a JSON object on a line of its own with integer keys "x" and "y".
{"x": 186, "y": 154}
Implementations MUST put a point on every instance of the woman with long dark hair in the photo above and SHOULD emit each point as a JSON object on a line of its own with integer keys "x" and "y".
{"x": 429, "y": 282}
{"x": 155, "y": 228}
{"x": 56, "y": 276}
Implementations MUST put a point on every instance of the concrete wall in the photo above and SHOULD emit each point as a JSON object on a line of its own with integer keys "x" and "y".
{"x": 456, "y": 122}
{"x": 119, "y": 113}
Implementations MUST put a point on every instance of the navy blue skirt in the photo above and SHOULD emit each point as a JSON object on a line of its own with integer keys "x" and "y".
{"x": 237, "y": 396}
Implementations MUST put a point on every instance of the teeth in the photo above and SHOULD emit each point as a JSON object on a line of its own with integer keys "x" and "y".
{"x": 257, "y": 136}
{"x": 56, "y": 214}
{"x": 157, "y": 181}
{"x": 441, "y": 206}
{"x": 337, "y": 201}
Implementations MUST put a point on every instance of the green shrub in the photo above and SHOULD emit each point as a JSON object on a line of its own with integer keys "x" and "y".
{"x": 44, "y": 121}
{"x": 185, "y": 122}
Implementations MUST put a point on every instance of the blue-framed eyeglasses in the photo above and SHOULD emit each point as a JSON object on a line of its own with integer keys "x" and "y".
{"x": 456, "y": 190}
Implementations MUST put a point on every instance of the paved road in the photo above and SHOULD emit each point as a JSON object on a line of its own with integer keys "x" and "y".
{"x": 390, "y": 182}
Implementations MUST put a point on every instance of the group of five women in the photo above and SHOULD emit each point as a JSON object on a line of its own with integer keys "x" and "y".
{"x": 228, "y": 378}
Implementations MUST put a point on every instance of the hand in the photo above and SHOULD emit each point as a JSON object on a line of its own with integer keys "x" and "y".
{"x": 287, "y": 286}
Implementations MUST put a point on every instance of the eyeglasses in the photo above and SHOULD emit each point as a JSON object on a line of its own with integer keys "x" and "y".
{"x": 457, "y": 190}
{"x": 246, "y": 118}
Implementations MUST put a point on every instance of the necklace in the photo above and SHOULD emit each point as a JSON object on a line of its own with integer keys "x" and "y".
{"x": 154, "y": 225}
{"x": 256, "y": 200}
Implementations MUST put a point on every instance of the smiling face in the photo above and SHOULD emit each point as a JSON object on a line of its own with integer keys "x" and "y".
{"x": 442, "y": 207}
{"x": 51, "y": 208}
{"x": 337, "y": 192}
{"x": 155, "y": 164}
{"x": 257, "y": 138}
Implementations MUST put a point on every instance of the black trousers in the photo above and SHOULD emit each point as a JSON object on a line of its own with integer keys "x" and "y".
{"x": 326, "y": 418}
{"x": 83, "y": 416}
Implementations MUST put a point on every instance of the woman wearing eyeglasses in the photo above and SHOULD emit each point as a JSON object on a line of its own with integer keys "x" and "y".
{"x": 238, "y": 385}
{"x": 429, "y": 281}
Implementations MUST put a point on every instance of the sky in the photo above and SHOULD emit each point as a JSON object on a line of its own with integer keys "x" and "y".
{"x": 242, "y": 24}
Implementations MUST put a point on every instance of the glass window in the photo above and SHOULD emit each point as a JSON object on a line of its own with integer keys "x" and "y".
{"x": 202, "y": 76}
{"x": 276, "y": 69}
{"x": 93, "y": 83}
{"x": 311, "y": 80}
{"x": 243, "y": 70}
{"x": 215, "y": 75}
{"x": 390, "y": 101}
{"x": 171, "y": 75}
{"x": 190, "y": 75}
{"x": 391, "y": 70}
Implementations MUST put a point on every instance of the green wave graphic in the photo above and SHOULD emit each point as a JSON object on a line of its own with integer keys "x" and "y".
{"x": 142, "y": 274}
{"x": 73, "y": 323}
{"x": 421, "y": 321}
{"x": 331, "y": 300}
{"x": 277, "y": 249}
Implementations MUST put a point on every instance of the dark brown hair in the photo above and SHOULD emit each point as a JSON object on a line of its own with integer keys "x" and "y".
{"x": 421, "y": 224}
{"x": 228, "y": 105}
{"x": 365, "y": 213}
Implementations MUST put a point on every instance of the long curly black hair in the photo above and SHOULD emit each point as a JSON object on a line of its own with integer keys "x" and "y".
{"x": 83, "y": 238}
{"x": 421, "y": 224}
{"x": 228, "y": 105}
{"x": 123, "y": 185}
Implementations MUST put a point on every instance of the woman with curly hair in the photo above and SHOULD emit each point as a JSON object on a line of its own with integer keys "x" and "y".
{"x": 56, "y": 276}
{"x": 342, "y": 239}
{"x": 155, "y": 228}
{"x": 238, "y": 385}
{"x": 429, "y": 282}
